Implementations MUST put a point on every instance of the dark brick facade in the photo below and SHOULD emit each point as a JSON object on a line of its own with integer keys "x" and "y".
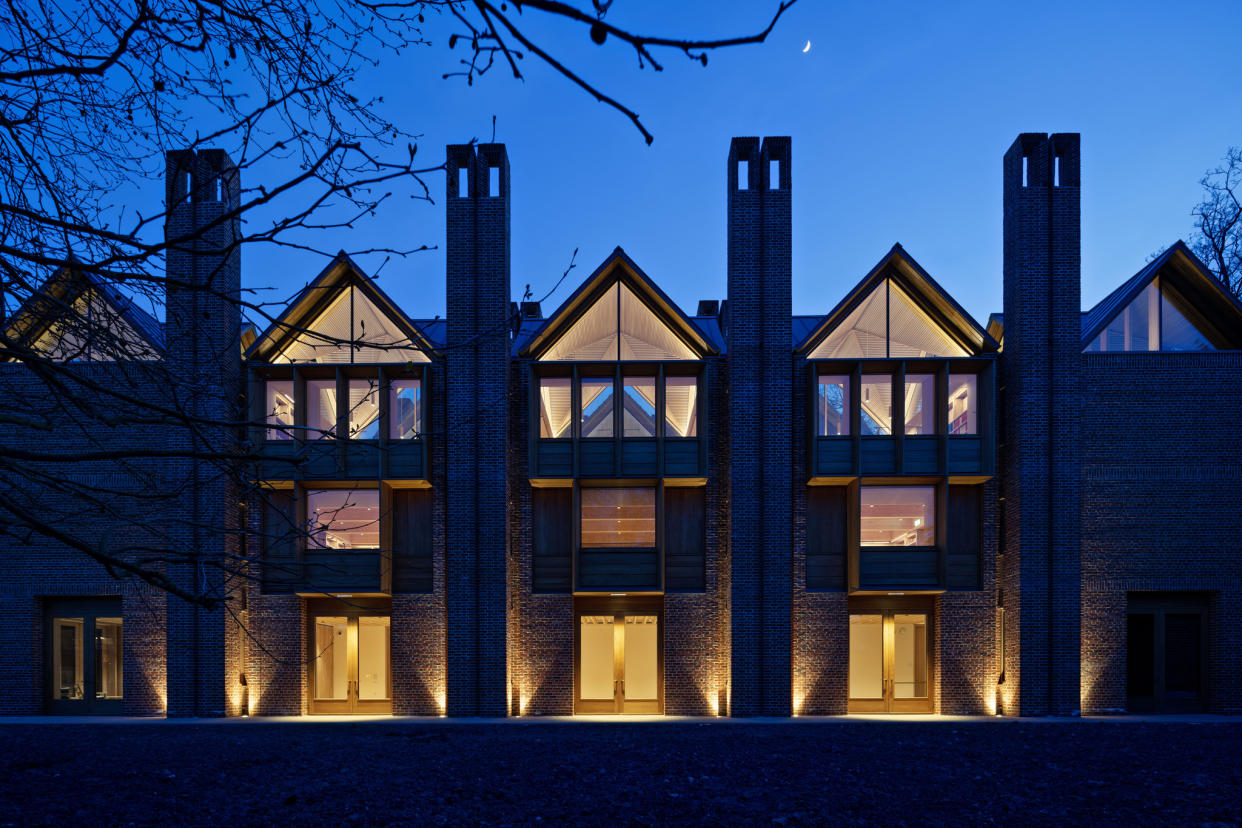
{"x": 1116, "y": 476}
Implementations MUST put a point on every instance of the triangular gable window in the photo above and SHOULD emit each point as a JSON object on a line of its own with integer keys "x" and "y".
{"x": 92, "y": 330}
{"x": 619, "y": 326}
{"x": 1158, "y": 319}
{"x": 887, "y": 324}
{"x": 351, "y": 318}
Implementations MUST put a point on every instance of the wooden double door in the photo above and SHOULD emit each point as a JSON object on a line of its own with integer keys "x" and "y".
{"x": 350, "y": 667}
{"x": 619, "y": 656}
{"x": 890, "y": 661}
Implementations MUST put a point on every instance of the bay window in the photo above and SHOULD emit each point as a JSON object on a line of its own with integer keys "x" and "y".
{"x": 343, "y": 518}
{"x": 618, "y": 518}
{"x": 897, "y": 516}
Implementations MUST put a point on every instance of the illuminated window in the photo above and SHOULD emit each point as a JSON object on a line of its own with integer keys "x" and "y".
{"x": 638, "y": 407}
{"x": 920, "y": 404}
{"x": 343, "y": 518}
{"x": 555, "y": 406}
{"x": 597, "y": 413}
{"x": 617, "y": 517}
{"x": 963, "y": 404}
{"x": 619, "y": 326}
{"x": 877, "y": 404}
{"x": 363, "y": 409}
{"x": 278, "y": 410}
{"x": 405, "y": 400}
{"x": 321, "y": 408}
{"x": 897, "y": 516}
{"x": 887, "y": 323}
{"x": 832, "y": 418}
{"x": 351, "y": 329}
{"x": 681, "y": 406}
{"x": 1158, "y": 319}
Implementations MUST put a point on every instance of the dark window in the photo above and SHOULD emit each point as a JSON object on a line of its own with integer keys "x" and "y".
{"x": 412, "y": 540}
{"x": 826, "y": 528}
{"x": 552, "y": 527}
{"x": 964, "y": 537}
{"x": 685, "y": 539}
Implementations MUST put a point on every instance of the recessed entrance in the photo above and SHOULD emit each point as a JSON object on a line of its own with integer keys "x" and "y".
{"x": 1166, "y": 654}
{"x": 619, "y": 656}
{"x": 350, "y": 665}
{"x": 890, "y": 661}
{"x": 85, "y": 665}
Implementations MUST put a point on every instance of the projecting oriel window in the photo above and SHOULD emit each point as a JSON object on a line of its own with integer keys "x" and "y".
{"x": 897, "y": 516}
{"x": 405, "y": 409}
{"x": 618, "y": 517}
{"x": 343, "y": 519}
{"x": 832, "y": 418}
{"x": 597, "y": 413}
{"x": 278, "y": 410}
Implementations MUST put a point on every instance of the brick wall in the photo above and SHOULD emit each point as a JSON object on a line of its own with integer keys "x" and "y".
{"x": 477, "y": 273}
{"x": 1039, "y": 376}
{"x": 1162, "y": 476}
{"x": 759, "y": 334}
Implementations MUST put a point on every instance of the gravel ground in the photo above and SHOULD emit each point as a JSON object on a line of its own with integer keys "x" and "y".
{"x": 670, "y": 773}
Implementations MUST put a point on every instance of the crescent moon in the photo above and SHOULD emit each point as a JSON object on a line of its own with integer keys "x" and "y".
{"x": 806, "y": 48}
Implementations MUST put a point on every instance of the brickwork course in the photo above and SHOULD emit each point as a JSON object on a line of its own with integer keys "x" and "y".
{"x": 1113, "y": 476}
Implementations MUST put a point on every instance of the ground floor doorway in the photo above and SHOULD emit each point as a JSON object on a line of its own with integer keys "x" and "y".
{"x": 890, "y": 668}
{"x": 85, "y": 656}
{"x": 619, "y": 655}
{"x": 350, "y": 656}
{"x": 1166, "y": 653}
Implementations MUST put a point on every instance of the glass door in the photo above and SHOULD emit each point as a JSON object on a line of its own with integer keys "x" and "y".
{"x": 619, "y": 662}
{"x": 350, "y": 669}
{"x": 85, "y": 665}
{"x": 890, "y": 662}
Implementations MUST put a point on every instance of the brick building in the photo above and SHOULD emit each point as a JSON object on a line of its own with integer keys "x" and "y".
{"x": 620, "y": 507}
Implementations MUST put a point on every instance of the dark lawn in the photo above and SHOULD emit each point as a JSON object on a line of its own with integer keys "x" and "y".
{"x": 1115, "y": 773}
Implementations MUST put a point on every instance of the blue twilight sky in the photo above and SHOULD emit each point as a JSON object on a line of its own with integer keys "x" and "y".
{"x": 899, "y": 115}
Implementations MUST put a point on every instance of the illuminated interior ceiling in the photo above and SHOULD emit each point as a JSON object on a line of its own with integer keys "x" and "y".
{"x": 887, "y": 323}
{"x": 1157, "y": 319}
{"x": 618, "y": 326}
{"x": 92, "y": 331}
{"x": 351, "y": 318}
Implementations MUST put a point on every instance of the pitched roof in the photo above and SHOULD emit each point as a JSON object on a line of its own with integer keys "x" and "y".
{"x": 618, "y": 266}
{"x": 922, "y": 287}
{"x": 46, "y": 306}
{"x": 1209, "y": 295}
{"x": 313, "y": 299}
